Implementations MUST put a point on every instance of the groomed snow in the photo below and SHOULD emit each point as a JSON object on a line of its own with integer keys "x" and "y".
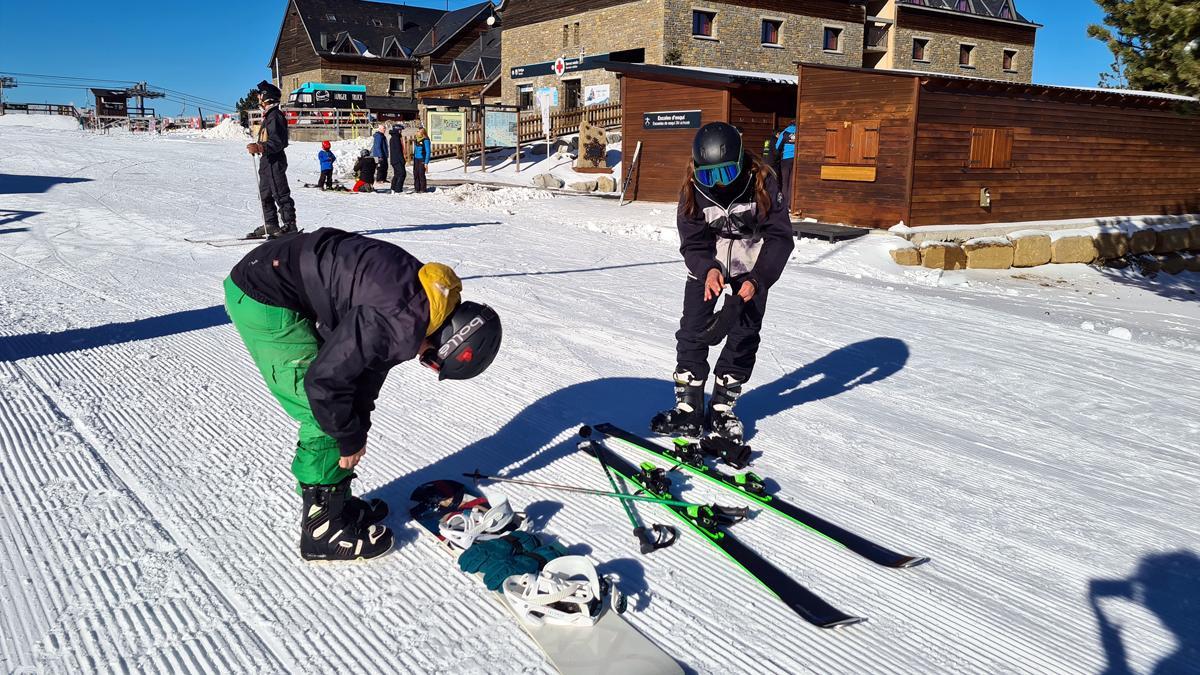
{"x": 1033, "y": 431}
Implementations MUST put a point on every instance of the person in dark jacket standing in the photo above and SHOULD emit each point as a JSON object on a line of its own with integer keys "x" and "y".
{"x": 734, "y": 231}
{"x": 325, "y": 317}
{"x": 379, "y": 150}
{"x": 396, "y": 154}
{"x": 273, "y": 189}
{"x": 422, "y": 149}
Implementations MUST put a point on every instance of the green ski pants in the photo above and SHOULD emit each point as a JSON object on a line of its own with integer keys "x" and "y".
{"x": 283, "y": 344}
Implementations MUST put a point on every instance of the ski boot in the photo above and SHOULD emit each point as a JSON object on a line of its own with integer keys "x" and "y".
{"x": 259, "y": 232}
{"x": 722, "y": 421}
{"x": 329, "y": 531}
{"x": 686, "y": 419}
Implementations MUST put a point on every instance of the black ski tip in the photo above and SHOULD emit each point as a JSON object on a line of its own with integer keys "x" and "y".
{"x": 585, "y": 431}
{"x": 842, "y": 622}
{"x": 911, "y": 561}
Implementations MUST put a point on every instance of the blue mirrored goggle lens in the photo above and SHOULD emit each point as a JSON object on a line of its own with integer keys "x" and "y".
{"x": 721, "y": 174}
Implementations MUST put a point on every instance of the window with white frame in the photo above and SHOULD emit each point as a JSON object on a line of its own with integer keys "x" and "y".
{"x": 703, "y": 23}
{"x": 1010, "y": 60}
{"x": 771, "y": 29}
{"x": 966, "y": 55}
{"x": 832, "y": 40}
{"x": 920, "y": 50}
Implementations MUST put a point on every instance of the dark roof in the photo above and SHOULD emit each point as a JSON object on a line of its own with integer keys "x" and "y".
{"x": 1005, "y": 10}
{"x": 391, "y": 104}
{"x": 367, "y": 26}
{"x": 449, "y": 25}
{"x": 480, "y": 62}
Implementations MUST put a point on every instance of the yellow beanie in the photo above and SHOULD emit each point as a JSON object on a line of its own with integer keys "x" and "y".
{"x": 444, "y": 289}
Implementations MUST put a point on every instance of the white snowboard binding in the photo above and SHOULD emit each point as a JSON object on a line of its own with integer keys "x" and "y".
{"x": 567, "y": 592}
{"x": 478, "y": 523}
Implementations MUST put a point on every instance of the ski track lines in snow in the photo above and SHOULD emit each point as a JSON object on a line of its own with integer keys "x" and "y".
{"x": 150, "y": 524}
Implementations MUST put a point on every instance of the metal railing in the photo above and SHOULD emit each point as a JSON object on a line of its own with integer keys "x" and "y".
{"x": 40, "y": 109}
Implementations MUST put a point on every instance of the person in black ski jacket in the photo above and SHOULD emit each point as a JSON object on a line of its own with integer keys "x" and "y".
{"x": 396, "y": 156}
{"x": 734, "y": 231}
{"x": 379, "y": 150}
{"x": 364, "y": 172}
{"x": 325, "y": 316}
{"x": 273, "y": 189}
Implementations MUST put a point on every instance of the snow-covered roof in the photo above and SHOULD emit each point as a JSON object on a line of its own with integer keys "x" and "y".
{"x": 1102, "y": 90}
{"x": 777, "y": 78}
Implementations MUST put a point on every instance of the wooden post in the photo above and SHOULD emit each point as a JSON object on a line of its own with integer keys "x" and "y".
{"x": 482, "y": 138}
{"x": 518, "y": 140}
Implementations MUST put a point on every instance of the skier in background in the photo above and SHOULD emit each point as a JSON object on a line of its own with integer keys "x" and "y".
{"x": 273, "y": 190}
{"x": 325, "y": 317}
{"x": 422, "y": 149}
{"x": 734, "y": 230}
{"x": 396, "y": 154}
{"x": 364, "y": 172}
{"x": 379, "y": 150}
{"x": 326, "y": 158}
{"x": 785, "y": 156}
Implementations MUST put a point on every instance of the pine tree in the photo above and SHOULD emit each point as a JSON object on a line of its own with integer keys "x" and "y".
{"x": 1155, "y": 44}
{"x": 245, "y": 105}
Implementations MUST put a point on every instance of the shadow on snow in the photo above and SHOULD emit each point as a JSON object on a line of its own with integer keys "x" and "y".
{"x": 1167, "y": 584}
{"x": 436, "y": 227}
{"x": 16, "y": 184}
{"x": 17, "y": 347}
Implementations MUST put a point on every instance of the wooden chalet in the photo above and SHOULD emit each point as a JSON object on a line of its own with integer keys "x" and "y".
{"x": 662, "y": 106}
{"x": 875, "y": 148}
{"x": 354, "y": 42}
{"x": 465, "y": 64}
{"x": 111, "y": 102}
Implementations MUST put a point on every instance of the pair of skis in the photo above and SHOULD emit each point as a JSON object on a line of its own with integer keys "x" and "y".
{"x": 687, "y": 457}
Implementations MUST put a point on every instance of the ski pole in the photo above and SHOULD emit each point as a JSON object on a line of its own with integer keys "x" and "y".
{"x": 658, "y": 536}
{"x": 581, "y": 490}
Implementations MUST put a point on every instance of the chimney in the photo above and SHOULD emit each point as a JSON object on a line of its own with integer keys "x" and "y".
{"x": 400, "y": 22}
{"x": 324, "y": 40}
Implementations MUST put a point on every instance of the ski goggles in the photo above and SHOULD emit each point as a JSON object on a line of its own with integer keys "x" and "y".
{"x": 718, "y": 174}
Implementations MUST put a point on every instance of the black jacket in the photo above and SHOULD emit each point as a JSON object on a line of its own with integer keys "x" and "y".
{"x": 370, "y": 310}
{"x": 273, "y": 134}
{"x": 364, "y": 169}
{"x": 395, "y": 148}
{"x": 699, "y": 236}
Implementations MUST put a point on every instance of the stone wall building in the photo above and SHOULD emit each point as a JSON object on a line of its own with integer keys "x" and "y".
{"x": 767, "y": 36}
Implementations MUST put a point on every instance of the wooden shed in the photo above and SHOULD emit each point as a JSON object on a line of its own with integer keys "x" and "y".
{"x": 111, "y": 102}
{"x": 875, "y": 148}
{"x": 662, "y": 106}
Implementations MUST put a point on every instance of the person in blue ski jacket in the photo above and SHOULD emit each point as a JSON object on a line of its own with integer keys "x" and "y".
{"x": 422, "y": 150}
{"x": 326, "y": 158}
{"x": 379, "y": 150}
{"x": 785, "y": 150}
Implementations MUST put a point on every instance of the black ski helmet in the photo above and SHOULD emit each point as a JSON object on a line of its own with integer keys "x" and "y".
{"x": 466, "y": 343}
{"x": 364, "y": 153}
{"x": 269, "y": 92}
{"x": 716, "y": 143}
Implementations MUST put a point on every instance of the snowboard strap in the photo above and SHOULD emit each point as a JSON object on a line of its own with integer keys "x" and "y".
{"x": 566, "y": 592}
{"x": 477, "y": 520}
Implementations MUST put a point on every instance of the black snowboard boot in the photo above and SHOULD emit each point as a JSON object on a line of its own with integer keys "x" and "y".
{"x": 722, "y": 421}
{"x": 330, "y": 529}
{"x": 687, "y": 417}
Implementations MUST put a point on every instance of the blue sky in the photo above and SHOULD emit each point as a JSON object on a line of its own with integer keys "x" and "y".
{"x": 217, "y": 51}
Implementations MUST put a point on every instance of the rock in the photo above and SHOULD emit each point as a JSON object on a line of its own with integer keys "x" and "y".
{"x": 1191, "y": 262}
{"x": 593, "y": 147}
{"x": 989, "y": 253}
{"x": 606, "y": 184}
{"x": 546, "y": 180}
{"x": 1074, "y": 249}
{"x": 1148, "y": 265}
{"x": 1195, "y": 245}
{"x": 1112, "y": 245}
{"x": 614, "y": 137}
{"x": 941, "y": 255}
{"x": 1143, "y": 241}
{"x": 1030, "y": 248}
{"x": 1171, "y": 263}
{"x": 584, "y": 186}
{"x": 909, "y": 256}
{"x": 1173, "y": 240}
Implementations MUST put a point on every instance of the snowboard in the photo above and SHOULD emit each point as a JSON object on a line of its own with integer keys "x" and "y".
{"x": 610, "y": 647}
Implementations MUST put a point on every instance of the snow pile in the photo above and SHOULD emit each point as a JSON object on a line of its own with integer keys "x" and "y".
{"x": 51, "y": 122}
{"x": 227, "y": 129}
{"x": 479, "y": 196}
{"x": 347, "y": 152}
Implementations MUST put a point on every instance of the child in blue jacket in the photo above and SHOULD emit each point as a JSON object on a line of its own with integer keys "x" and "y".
{"x": 327, "y": 158}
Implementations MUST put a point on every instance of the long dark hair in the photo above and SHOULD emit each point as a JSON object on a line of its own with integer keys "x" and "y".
{"x": 759, "y": 170}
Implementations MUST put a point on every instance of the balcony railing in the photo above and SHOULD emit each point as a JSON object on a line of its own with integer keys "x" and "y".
{"x": 876, "y": 39}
